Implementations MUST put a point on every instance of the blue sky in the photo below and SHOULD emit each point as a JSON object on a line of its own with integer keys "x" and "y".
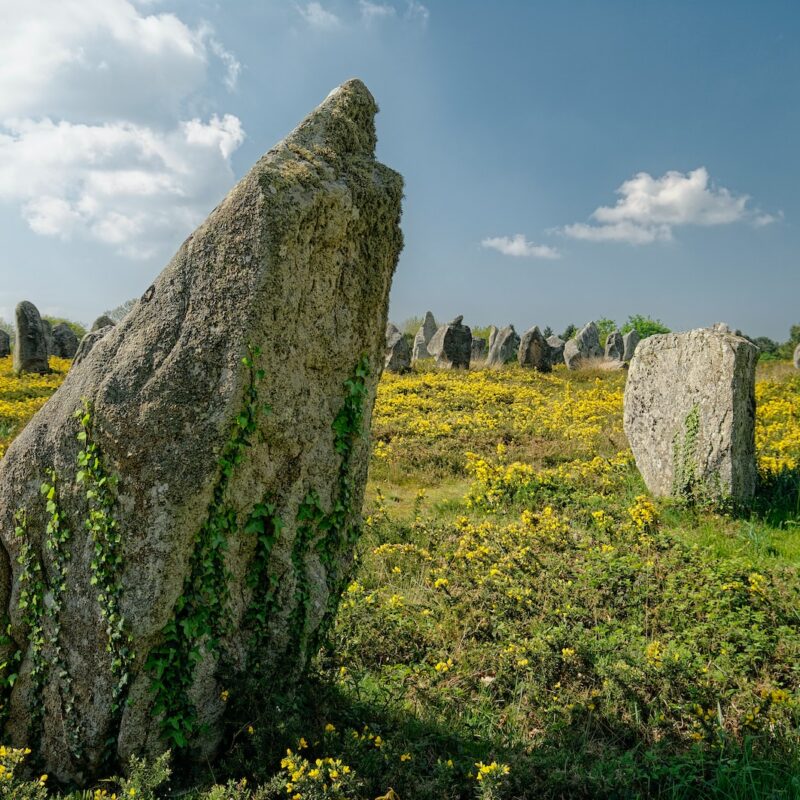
{"x": 563, "y": 160}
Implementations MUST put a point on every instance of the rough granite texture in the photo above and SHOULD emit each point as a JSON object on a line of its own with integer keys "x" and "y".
{"x": 796, "y": 358}
{"x": 556, "y": 350}
{"x": 297, "y": 260}
{"x": 65, "y": 342}
{"x": 534, "y": 351}
{"x": 103, "y": 321}
{"x": 478, "y": 352}
{"x": 504, "y": 348}
{"x": 425, "y": 333}
{"x": 451, "y": 345}
{"x": 30, "y": 344}
{"x": 669, "y": 376}
{"x": 583, "y": 347}
{"x": 629, "y": 342}
{"x": 615, "y": 346}
{"x": 5, "y": 344}
{"x": 398, "y": 351}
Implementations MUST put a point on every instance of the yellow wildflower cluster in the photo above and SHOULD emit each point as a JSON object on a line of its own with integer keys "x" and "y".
{"x": 325, "y": 778}
{"x": 22, "y": 396}
{"x": 10, "y": 759}
{"x": 778, "y": 425}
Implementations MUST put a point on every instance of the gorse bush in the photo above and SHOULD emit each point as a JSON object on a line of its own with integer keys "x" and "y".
{"x": 524, "y": 621}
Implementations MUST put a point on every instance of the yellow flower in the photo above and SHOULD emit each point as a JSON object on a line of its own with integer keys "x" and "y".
{"x": 224, "y": 695}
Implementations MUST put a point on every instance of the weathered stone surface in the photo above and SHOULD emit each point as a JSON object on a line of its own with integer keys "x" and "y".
{"x": 297, "y": 261}
{"x": 5, "y": 344}
{"x": 504, "y": 348}
{"x": 451, "y": 345}
{"x": 583, "y": 347}
{"x": 690, "y": 413}
{"x": 48, "y": 336}
{"x": 534, "y": 351}
{"x": 88, "y": 342}
{"x": 30, "y": 344}
{"x": 398, "y": 352}
{"x": 478, "y": 349}
{"x": 492, "y": 337}
{"x": 556, "y": 350}
{"x": 615, "y": 347}
{"x": 103, "y": 321}
{"x": 425, "y": 333}
{"x": 629, "y": 342}
{"x": 65, "y": 342}
{"x": 797, "y": 357}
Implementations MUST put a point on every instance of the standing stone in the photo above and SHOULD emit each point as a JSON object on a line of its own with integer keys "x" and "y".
{"x": 478, "y": 349}
{"x": 5, "y": 344}
{"x": 65, "y": 342}
{"x": 504, "y": 348}
{"x": 30, "y": 345}
{"x": 629, "y": 342}
{"x": 88, "y": 341}
{"x": 425, "y": 333}
{"x": 797, "y": 357}
{"x": 231, "y": 406}
{"x": 398, "y": 353}
{"x": 534, "y": 351}
{"x": 556, "y": 350}
{"x": 48, "y": 336}
{"x": 492, "y": 337}
{"x": 690, "y": 414}
{"x": 584, "y": 347}
{"x": 615, "y": 347}
{"x": 451, "y": 346}
{"x": 103, "y": 321}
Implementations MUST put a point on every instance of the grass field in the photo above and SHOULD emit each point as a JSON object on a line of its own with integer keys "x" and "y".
{"x": 525, "y": 621}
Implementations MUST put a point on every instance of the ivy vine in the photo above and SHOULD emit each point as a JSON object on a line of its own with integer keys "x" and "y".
{"x": 684, "y": 457}
{"x": 200, "y": 612}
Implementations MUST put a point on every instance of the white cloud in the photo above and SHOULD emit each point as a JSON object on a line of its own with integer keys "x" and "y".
{"x": 319, "y": 17}
{"x": 92, "y": 140}
{"x": 649, "y": 208}
{"x": 418, "y": 12}
{"x": 519, "y": 247}
{"x": 371, "y": 12}
{"x": 122, "y": 184}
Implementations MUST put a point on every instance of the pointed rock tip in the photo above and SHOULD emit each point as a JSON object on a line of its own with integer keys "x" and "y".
{"x": 345, "y": 120}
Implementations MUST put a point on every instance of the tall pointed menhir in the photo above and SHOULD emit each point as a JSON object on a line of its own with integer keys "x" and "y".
{"x": 208, "y": 492}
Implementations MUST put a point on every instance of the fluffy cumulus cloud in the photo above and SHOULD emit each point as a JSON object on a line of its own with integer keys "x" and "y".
{"x": 519, "y": 247}
{"x": 369, "y": 12}
{"x": 93, "y": 142}
{"x": 649, "y": 209}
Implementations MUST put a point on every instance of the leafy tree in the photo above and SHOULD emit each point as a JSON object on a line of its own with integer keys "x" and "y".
{"x": 481, "y": 332}
{"x": 604, "y": 327}
{"x": 644, "y": 326}
{"x": 76, "y": 327}
{"x": 569, "y": 332}
{"x": 119, "y": 313}
{"x": 548, "y": 331}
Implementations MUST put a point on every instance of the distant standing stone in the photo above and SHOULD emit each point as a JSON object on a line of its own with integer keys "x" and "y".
{"x": 629, "y": 342}
{"x": 65, "y": 342}
{"x": 615, "y": 347}
{"x": 5, "y": 344}
{"x": 30, "y": 347}
{"x": 534, "y": 351}
{"x": 492, "y": 337}
{"x": 556, "y": 350}
{"x": 504, "y": 348}
{"x": 398, "y": 351}
{"x": 48, "y": 336}
{"x": 583, "y": 347}
{"x": 690, "y": 414}
{"x": 88, "y": 342}
{"x": 451, "y": 346}
{"x": 425, "y": 333}
{"x": 102, "y": 321}
{"x": 478, "y": 348}
{"x": 797, "y": 357}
